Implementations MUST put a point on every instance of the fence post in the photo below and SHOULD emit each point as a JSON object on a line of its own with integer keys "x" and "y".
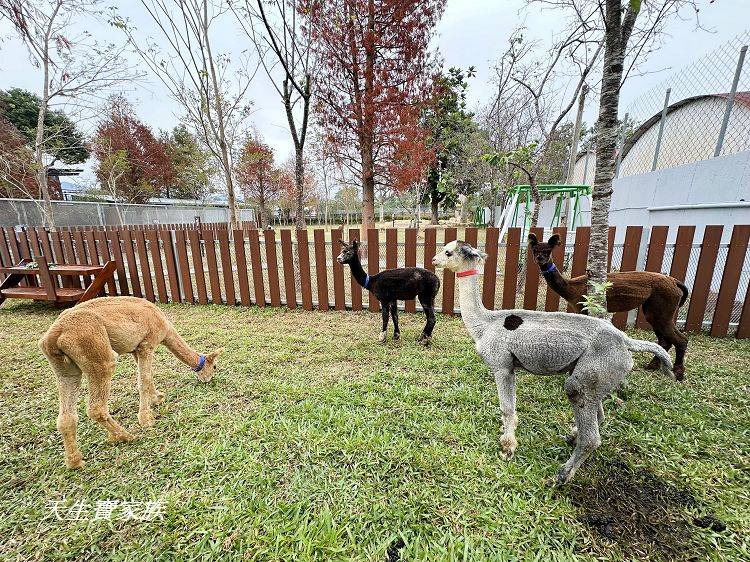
{"x": 730, "y": 101}
{"x": 620, "y": 145}
{"x": 99, "y": 214}
{"x": 661, "y": 129}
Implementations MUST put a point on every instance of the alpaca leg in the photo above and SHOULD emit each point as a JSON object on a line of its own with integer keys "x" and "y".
{"x": 394, "y": 317}
{"x": 656, "y": 325}
{"x": 146, "y": 390}
{"x": 384, "y": 310}
{"x": 505, "y": 379}
{"x": 680, "y": 343}
{"x": 587, "y": 441}
{"x": 428, "y": 306}
{"x": 68, "y": 384}
{"x": 67, "y": 420}
{"x": 665, "y": 323}
{"x": 100, "y": 380}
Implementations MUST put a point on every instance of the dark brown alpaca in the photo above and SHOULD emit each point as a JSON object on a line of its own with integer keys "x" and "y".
{"x": 659, "y": 296}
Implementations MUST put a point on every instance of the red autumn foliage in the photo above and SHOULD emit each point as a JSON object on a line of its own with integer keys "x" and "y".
{"x": 148, "y": 170}
{"x": 257, "y": 175}
{"x": 17, "y": 167}
{"x": 374, "y": 79}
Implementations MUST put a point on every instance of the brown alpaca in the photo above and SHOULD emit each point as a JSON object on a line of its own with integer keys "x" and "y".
{"x": 659, "y": 296}
{"x": 86, "y": 340}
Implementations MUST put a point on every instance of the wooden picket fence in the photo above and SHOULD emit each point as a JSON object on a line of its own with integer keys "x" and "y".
{"x": 246, "y": 266}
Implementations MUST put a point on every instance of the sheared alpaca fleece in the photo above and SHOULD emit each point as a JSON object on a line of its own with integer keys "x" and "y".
{"x": 595, "y": 356}
{"x": 86, "y": 341}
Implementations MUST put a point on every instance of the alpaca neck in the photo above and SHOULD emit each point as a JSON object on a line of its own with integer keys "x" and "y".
{"x": 357, "y": 272}
{"x": 180, "y": 349}
{"x": 556, "y": 280}
{"x": 473, "y": 313}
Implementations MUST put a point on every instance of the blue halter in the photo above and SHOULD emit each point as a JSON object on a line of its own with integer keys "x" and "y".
{"x": 201, "y": 363}
{"x": 550, "y": 268}
{"x": 367, "y": 280}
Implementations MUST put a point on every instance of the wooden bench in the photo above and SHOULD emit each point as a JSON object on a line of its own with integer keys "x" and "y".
{"x": 46, "y": 289}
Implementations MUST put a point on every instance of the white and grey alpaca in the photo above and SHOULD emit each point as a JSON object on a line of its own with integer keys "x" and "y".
{"x": 594, "y": 353}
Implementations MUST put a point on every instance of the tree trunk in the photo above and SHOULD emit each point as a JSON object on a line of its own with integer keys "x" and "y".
{"x": 606, "y": 140}
{"x": 367, "y": 133}
{"x": 537, "y": 199}
{"x": 434, "y": 210}
{"x": 225, "y": 162}
{"x": 299, "y": 181}
{"x": 368, "y": 187}
{"x": 263, "y": 219}
{"x": 41, "y": 171}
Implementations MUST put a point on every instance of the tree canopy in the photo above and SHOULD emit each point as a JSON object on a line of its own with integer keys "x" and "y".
{"x": 133, "y": 163}
{"x": 455, "y": 139}
{"x": 63, "y": 141}
{"x": 191, "y": 163}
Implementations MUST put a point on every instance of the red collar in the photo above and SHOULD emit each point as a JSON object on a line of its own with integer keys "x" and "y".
{"x": 467, "y": 273}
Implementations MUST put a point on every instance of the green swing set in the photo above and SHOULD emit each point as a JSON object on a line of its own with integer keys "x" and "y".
{"x": 519, "y": 193}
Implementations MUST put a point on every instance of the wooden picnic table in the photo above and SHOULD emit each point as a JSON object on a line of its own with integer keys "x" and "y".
{"x": 46, "y": 288}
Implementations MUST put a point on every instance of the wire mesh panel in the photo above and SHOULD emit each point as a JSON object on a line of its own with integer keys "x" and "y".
{"x": 693, "y": 123}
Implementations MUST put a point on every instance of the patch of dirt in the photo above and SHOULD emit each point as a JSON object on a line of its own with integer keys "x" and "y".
{"x": 392, "y": 553}
{"x": 647, "y": 517}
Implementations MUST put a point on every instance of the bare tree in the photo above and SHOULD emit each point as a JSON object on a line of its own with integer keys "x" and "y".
{"x": 75, "y": 68}
{"x": 535, "y": 94}
{"x": 208, "y": 88}
{"x": 629, "y": 31}
{"x": 284, "y": 49}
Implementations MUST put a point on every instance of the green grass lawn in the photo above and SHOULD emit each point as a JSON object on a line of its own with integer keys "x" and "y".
{"x": 315, "y": 442}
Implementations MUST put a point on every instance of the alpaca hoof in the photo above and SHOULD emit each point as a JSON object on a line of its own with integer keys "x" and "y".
{"x": 679, "y": 372}
{"x": 158, "y": 399}
{"x": 396, "y": 337}
{"x": 508, "y": 444}
{"x": 561, "y": 478}
{"x": 425, "y": 341}
{"x": 382, "y": 337}
{"x": 146, "y": 419}
{"x": 653, "y": 365}
{"x": 75, "y": 462}
{"x": 123, "y": 437}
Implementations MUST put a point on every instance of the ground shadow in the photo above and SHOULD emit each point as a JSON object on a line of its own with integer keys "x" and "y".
{"x": 646, "y": 516}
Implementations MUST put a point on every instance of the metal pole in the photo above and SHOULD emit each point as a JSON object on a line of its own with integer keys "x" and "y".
{"x": 586, "y": 167}
{"x": 661, "y": 129}
{"x": 730, "y": 101}
{"x": 621, "y": 145}
{"x": 576, "y": 134}
{"x": 574, "y": 150}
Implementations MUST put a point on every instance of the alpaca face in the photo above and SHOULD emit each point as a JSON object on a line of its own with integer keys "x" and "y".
{"x": 209, "y": 369}
{"x": 542, "y": 251}
{"x": 458, "y": 256}
{"x": 348, "y": 252}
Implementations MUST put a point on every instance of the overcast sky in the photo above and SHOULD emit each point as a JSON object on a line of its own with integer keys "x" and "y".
{"x": 471, "y": 33}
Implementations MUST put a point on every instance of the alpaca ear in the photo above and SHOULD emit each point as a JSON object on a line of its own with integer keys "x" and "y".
{"x": 214, "y": 354}
{"x": 355, "y": 244}
{"x": 554, "y": 240}
{"x": 532, "y": 240}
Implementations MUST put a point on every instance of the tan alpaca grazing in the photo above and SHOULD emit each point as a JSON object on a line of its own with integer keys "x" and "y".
{"x": 86, "y": 340}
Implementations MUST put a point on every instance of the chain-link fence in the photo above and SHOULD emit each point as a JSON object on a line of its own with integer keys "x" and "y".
{"x": 28, "y": 212}
{"x": 700, "y": 112}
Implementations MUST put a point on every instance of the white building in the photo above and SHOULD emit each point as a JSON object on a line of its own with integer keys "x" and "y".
{"x": 691, "y": 129}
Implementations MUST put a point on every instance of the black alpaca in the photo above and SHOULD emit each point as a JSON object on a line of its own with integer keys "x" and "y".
{"x": 393, "y": 285}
